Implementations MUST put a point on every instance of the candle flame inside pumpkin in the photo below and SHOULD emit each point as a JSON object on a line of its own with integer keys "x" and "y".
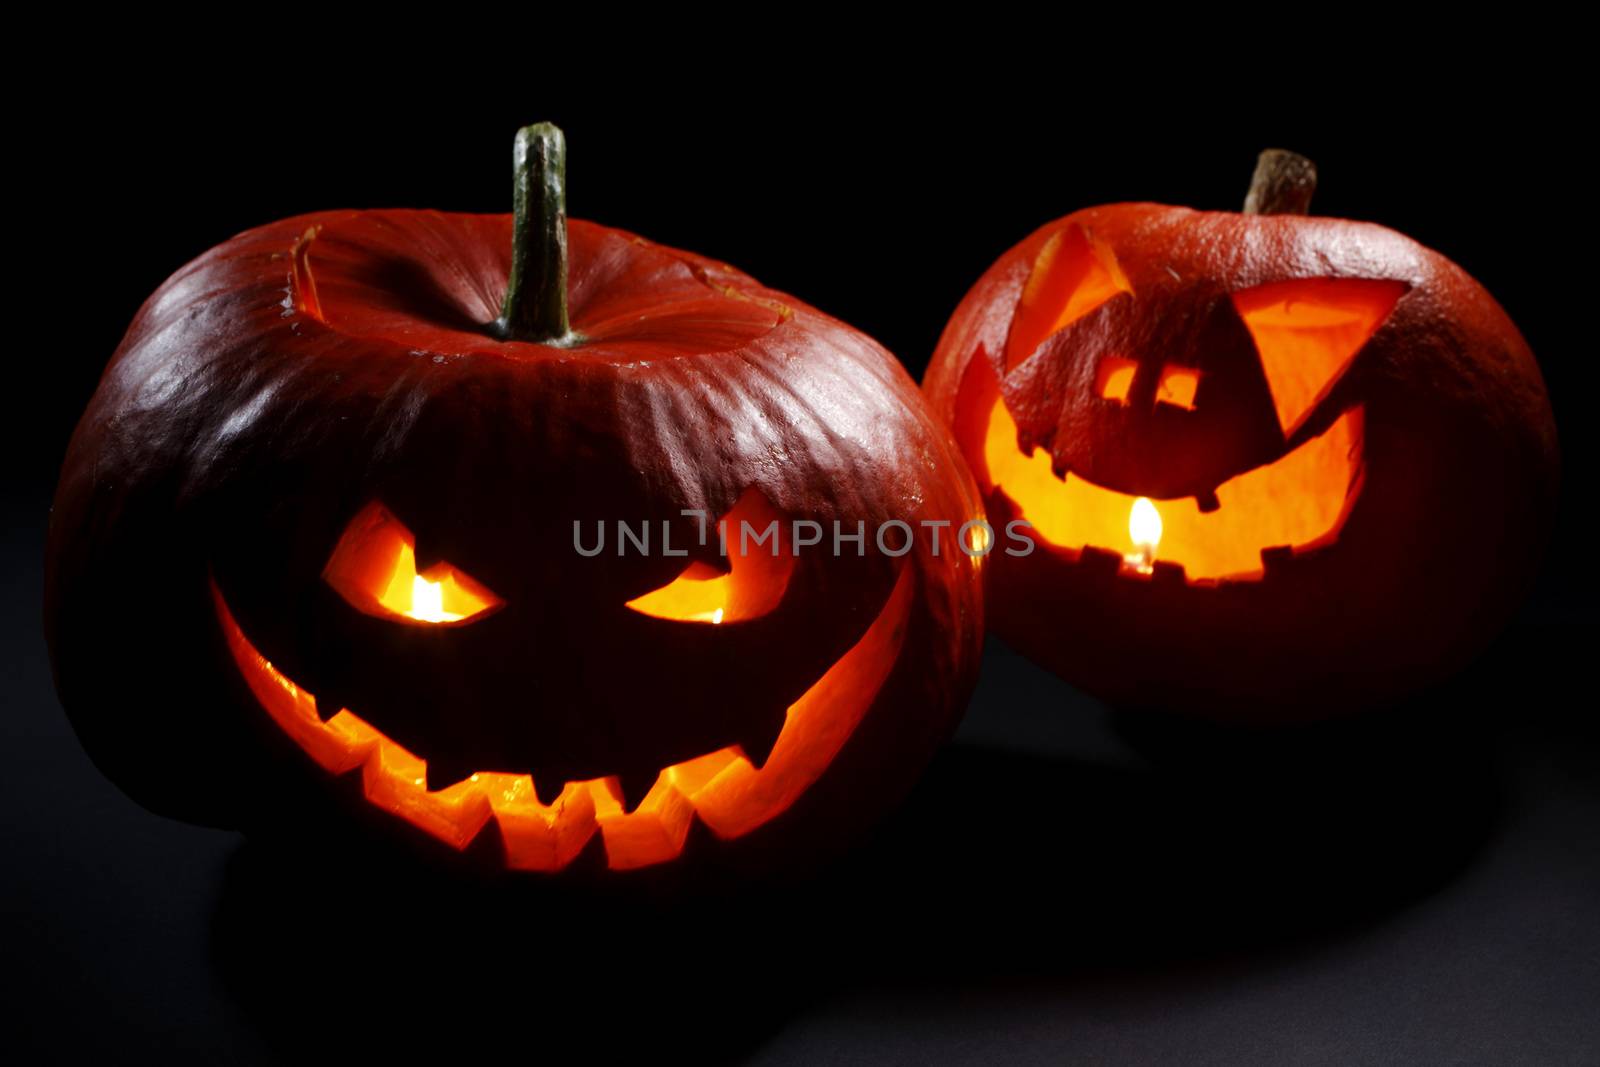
{"x": 1144, "y": 528}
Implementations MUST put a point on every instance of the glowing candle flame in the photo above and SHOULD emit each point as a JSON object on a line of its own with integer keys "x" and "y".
{"x": 1144, "y": 527}
{"x": 1144, "y": 523}
{"x": 427, "y": 601}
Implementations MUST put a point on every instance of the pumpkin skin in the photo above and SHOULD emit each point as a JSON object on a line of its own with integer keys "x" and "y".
{"x": 1434, "y": 403}
{"x": 278, "y": 388}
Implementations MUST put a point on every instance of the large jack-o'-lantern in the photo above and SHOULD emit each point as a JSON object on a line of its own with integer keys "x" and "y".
{"x": 1277, "y": 467}
{"x": 345, "y": 534}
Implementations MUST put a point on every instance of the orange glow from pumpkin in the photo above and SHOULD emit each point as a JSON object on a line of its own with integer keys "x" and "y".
{"x": 374, "y": 567}
{"x": 1073, "y": 274}
{"x": 1308, "y": 331}
{"x": 1299, "y": 501}
{"x": 722, "y": 788}
{"x": 756, "y": 579}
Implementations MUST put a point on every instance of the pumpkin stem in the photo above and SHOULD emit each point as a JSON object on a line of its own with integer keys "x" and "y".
{"x": 535, "y": 307}
{"x": 1282, "y": 184}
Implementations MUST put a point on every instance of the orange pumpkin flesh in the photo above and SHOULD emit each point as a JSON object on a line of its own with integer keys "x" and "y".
{"x": 1278, "y": 468}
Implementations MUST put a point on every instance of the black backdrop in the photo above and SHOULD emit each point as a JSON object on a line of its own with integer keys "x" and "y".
{"x": 1065, "y": 885}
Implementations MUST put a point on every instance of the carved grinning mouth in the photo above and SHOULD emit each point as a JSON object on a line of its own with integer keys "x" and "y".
{"x": 722, "y": 789}
{"x": 1297, "y": 502}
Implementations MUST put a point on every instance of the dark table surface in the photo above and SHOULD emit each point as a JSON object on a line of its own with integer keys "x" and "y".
{"x": 1066, "y": 885}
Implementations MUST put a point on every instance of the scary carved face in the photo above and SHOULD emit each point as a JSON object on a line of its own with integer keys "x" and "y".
{"x": 546, "y": 819}
{"x": 362, "y": 504}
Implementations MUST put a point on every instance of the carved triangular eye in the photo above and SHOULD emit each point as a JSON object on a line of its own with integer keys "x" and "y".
{"x": 1307, "y": 331}
{"x": 1073, "y": 274}
{"x": 374, "y": 567}
{"x": 760, "y": 561}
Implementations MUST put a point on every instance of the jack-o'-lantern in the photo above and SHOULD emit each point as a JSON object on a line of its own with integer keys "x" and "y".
{"x": 1276, "y": 467}
{"x": 436, "y": 523}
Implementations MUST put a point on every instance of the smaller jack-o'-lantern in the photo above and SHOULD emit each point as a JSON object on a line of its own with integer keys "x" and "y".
{"x": 352, "y": 496}
{"x": 1276, "y": 467}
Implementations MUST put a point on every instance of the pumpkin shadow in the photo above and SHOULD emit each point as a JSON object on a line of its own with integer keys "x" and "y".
{"x": 1069, "y": 869}
{"x": 1159, "y": 845}
{"x": 1166, "y": 854}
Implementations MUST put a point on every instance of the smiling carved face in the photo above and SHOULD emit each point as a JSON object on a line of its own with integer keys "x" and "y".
{"x": 1276, "y": 468}
{"x": 545, "y": 820}
{"x": 1185, "y": 422}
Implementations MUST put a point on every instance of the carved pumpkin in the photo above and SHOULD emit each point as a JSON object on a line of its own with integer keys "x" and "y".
{"x": 1277, "y": 467}
{"x": 324, "y": 542}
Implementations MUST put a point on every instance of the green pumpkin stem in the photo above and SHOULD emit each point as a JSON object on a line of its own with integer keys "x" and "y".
{"x": 535, "y": 307}
{"x": 1283, "y": 184}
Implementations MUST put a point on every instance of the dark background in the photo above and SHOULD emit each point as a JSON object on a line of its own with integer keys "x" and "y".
{"x": 1067, "y": 884}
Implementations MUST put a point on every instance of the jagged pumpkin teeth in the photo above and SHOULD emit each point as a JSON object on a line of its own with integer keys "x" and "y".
{"x": 648, "y": 830}
{"x": 1297, "y": 501}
